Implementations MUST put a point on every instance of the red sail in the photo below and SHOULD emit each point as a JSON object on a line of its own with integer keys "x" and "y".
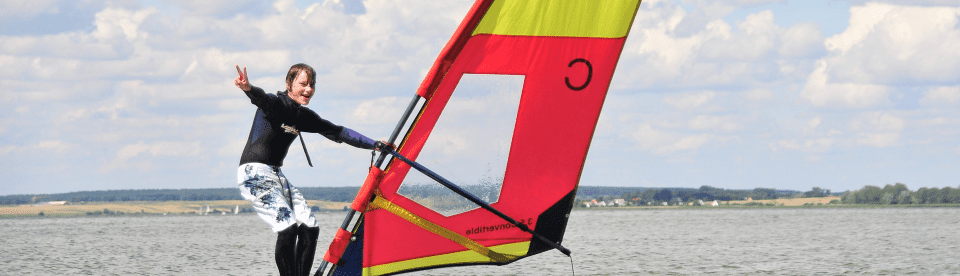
{"x": 561, "y": 71}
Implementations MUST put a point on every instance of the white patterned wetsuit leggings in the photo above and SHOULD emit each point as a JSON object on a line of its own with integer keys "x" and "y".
{"x": 267, "y": 190}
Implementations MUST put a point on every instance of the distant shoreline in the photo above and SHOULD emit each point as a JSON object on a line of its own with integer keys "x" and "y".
{"x": 729, "y": 207}
{"x": 127, "y": 208}
{"x": 227, "y": 207}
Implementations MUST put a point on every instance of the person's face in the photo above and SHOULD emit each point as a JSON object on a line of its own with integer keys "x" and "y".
{"x": 301, "y": 90}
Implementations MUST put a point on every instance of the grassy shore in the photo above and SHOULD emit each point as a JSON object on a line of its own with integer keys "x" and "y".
{"x": 140, "y": 207}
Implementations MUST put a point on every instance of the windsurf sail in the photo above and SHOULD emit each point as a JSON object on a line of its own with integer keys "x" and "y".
{"x": 507, "y": 112}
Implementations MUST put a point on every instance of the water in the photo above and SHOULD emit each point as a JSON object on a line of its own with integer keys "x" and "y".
{"x": 894, "y": 241}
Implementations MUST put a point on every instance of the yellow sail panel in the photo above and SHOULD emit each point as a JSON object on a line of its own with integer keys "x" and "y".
{"x": 568, "y": 18}
{"x": 466, "y": 256}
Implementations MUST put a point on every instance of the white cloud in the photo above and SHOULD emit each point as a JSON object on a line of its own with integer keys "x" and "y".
{"x": 712, "y": 52}
{"x": 119, "y": 23}
{"x": 125, "y": 155}
{"x": 879, "y": 140}
{"x": 689, "y": 101}
{"x": 878, "y": 129}
{"x": 382, "y": 110}
{"x": 801, "y": 40}
{"x": 755, "y": 39}
{"x": 894, "y": 44}
{"x": 4, "y": 150}
{"x": 941, "y": 95}
{"x": 820, "y": 92}
{"x": 812, "y": 125}
{"x": 722, "y": 123}
{"x": 664, "y": 142}
{"x": 28, "y": 8}
{"x": 759, "y": 95}
{"x": 816, "y": 145}
{"x": 877, "y": 121}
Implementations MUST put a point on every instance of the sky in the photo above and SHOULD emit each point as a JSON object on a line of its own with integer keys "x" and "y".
{"x": 736, "y": 94}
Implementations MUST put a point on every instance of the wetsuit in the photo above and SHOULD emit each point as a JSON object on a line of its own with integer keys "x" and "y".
{"x": 278, "y": 121}
{"x": 275, "y": 125}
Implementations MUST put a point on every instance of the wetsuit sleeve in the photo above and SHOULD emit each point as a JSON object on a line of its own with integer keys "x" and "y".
{"x": 311, "y": 122}
{"x": 260, "y": 98}
{"x": 355, "y": 139}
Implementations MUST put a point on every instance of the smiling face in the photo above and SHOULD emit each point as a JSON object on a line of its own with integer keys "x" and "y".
{"x": 301, "y": 89}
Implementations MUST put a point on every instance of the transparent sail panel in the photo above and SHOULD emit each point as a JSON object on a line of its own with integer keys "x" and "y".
{"x": 469, "y": 145}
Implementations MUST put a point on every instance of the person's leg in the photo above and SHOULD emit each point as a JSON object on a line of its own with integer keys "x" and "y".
{"x": 306, "y": 247}
{"x": 308, "y": 230}
{"x": 285, "y": 254}
{"x": 261, "y": 185}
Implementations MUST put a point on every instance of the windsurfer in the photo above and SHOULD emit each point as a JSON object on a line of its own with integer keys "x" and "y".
{"x": 279, "y": 119}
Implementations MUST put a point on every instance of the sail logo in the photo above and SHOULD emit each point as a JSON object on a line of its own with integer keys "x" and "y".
{"x": 498, "y": 227}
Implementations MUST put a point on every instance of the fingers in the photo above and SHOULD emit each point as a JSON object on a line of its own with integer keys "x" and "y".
{"x": 241, "y": 81}
{"x": 241, "y": 73}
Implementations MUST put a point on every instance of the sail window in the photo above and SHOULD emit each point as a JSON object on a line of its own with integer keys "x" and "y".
{"x": 469, "y": 145}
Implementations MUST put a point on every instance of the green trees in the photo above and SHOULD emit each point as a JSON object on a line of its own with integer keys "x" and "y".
{"x": 900, "y": 194}
{"x": 817, "y": 192}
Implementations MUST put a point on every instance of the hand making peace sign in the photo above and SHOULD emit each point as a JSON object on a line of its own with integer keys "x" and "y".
{"x": 243, "y": 82}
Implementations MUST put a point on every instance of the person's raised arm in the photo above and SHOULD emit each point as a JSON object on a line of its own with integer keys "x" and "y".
{"x": 257, "y": 96}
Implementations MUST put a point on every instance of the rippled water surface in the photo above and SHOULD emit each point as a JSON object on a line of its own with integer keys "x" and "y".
{"x": 893, "y": 241}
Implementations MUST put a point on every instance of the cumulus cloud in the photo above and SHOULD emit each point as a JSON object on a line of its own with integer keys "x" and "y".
{"x": 712, "y": 52}
{"x": 884, "y": 45}
{"x": 821, "y": 92}
{"x": 883, "y": 41}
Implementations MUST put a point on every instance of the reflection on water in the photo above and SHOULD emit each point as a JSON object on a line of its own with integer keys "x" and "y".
{"x": 894, "y": 241}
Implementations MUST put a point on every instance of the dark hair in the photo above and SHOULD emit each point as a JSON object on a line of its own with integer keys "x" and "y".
{"x": 295, "y": 71}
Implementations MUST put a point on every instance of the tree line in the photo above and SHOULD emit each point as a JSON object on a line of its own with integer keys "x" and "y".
{"x": 890, "y": 194}
{"x": 708, "y": 193}
{"x": 900, "y": 194}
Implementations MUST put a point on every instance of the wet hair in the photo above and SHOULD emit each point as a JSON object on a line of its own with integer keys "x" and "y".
{"x": 295, "y": 71}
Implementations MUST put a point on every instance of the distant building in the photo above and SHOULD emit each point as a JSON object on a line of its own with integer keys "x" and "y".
{"x": 51, "y": 203}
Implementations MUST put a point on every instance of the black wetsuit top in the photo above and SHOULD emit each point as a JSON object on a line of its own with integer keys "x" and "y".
{"x": 273, "y": 128}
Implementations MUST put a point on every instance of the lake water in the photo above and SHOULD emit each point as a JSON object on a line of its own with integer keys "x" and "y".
{"x": 893, "y": 241}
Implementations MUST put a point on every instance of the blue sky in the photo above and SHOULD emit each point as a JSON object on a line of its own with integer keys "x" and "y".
{"x": 732, "y": 93}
